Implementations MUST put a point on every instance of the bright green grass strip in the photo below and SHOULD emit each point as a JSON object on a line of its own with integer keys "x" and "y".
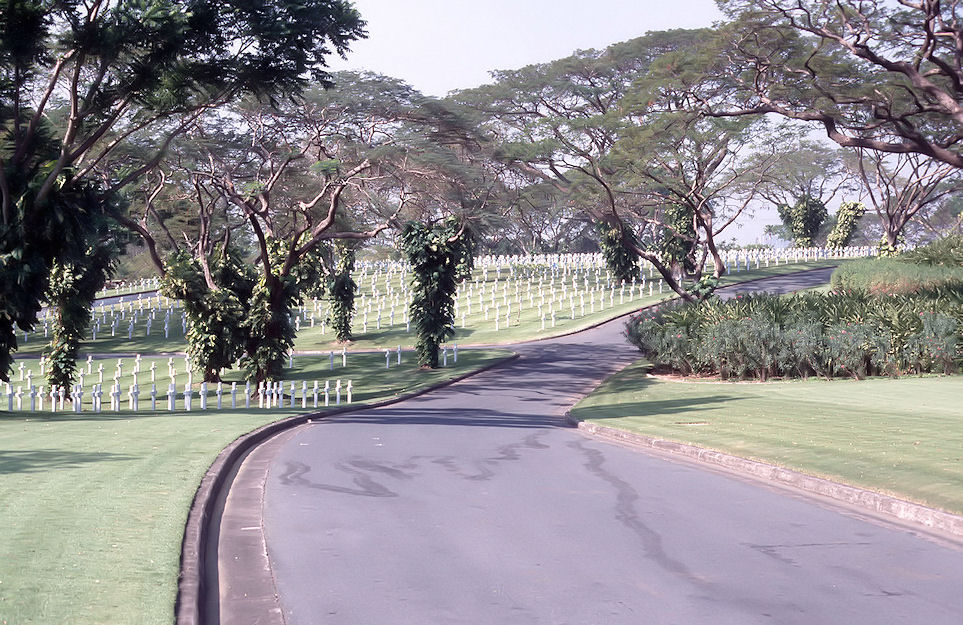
{"x": 902, "y": 437}
{"x": 95, "y": 504}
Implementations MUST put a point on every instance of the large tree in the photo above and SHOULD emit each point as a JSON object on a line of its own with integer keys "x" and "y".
{"x": 621, "y": 146}
{"x": 78, "y": 81}
{"x": 901, "y": 186}
{"x": 277, "y": 184}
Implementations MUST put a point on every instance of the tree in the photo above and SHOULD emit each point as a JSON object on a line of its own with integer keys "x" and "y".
{"x": 803, "y": 219}
{"x": 585, "y": 125}
{"x": 80, "y": 80}
{"x": 279, "y": 184}
{"x": 441, "y": 255}
{"x": 900, "y": 186}
{"x": 875, "y": 74}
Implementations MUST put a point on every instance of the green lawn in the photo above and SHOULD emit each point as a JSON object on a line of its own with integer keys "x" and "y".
{"x": 95, "y": 504}
{"x": 902, "y": 437}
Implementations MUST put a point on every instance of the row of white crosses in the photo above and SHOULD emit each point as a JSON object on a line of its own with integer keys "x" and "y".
{"x": 277, "y": 394}
{"x": 270, "y": 396}
{"x": 746, "y": 260}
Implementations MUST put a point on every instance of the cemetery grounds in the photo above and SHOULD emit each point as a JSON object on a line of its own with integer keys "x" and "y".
{"x": 96, "y": 501}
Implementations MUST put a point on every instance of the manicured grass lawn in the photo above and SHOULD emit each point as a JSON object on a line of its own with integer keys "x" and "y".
{"x": 897, "y": 436}
{"x": 95, "y": 504}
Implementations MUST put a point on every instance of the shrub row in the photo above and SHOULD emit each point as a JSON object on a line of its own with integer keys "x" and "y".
{"x": 851, "y": 334}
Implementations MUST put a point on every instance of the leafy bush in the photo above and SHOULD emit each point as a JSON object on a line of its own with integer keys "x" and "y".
{"x": 947, "y": 251}
{"x": 833, "y": 335}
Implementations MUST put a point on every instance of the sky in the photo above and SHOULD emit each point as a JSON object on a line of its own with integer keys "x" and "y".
{"x": 438, "y": 46}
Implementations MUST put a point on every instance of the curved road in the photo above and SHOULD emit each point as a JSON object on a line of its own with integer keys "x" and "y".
{"x": 477, "y": 504}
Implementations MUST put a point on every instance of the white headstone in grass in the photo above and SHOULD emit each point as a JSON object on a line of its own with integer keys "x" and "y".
{"x": 115, "y": 397}
{"x": 337, "y": 393}
{"x": 399, "y": 354}
{"x": 344, "y": 357}
{"x": 133, "y": 397}
{"x": 187, "y": 396}
{"x": 153, "y": 397}
{"x": 77, "y": 396}
{"x": 327, "y": 392}
{"x": 292, "y": 391}
{"x": 202, "y": 396}
{"x": 315, "y": 393}
{"x": 349, "y": 391}
{"x": 20, "y": 369}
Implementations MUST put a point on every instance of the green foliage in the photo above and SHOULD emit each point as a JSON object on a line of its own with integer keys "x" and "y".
{"x": 836, "y": 334}
{"x": 270, "y": 327}
{"x": 441, "y": 255}
{"x": 343, "y": 289}
{"x": 678, "y": 240}
{"x": 847, "y": 217}
{"x": 803, "y": 219}
{"x": 617, "y": 244}
{"x": 71, "y": 292}
{"x": 132, "y": 65}
{"x": 893, "y": 275}
{"x": 947, "y": 251}
{"x": 218, "y": 332}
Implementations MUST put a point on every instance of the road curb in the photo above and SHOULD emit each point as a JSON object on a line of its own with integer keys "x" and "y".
{"x": 886, "y": 505}
{"x": 192, "y": 587}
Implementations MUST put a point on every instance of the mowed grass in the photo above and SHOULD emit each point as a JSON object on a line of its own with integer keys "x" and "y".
{"x": 902, "y": 437}
{"x": 95, "y": 504}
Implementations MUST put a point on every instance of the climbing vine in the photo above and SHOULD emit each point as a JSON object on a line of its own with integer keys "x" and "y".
{"x": 70, "y": 293}
{"x": 617, "y": 244}
{"x": 847, "y": 217}
{"x": 441, "y": 255}
{"x": 217, "y": 334}
{"x": 343, "y": 289}
{"x": 803, "y": 219}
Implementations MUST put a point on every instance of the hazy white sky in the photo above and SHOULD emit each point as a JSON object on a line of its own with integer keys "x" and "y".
{"x": 440, "y": 45}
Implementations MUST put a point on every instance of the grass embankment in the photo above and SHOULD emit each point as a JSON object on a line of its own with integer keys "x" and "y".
{"x": 888, "y": 276}
{"x": 897, "y": 436}
{"x": 95, "y": 504}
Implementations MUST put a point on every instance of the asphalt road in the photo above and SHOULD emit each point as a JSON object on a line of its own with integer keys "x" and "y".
{"x": 477, "y": 504}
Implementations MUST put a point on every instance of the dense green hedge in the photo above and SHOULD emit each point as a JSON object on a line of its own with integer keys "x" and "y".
{"x": 835, "y": 335}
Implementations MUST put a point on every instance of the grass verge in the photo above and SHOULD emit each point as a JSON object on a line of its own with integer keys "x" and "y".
{"x": 96, "y": 503}
{"x": 902, "y": 437}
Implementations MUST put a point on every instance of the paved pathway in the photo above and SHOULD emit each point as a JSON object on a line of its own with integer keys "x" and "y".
{"x": 476, "y": 504}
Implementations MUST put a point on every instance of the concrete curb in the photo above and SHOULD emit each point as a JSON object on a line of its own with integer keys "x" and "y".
{"x": 930, "y": 518}
{"x": 192, "y": 587}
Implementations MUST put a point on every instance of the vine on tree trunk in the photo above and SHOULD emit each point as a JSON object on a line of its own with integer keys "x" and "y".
{"x": 441, "y": 255}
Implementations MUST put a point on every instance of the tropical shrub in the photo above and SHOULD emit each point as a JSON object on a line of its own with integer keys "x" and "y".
{"x": 832, "y": 335}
